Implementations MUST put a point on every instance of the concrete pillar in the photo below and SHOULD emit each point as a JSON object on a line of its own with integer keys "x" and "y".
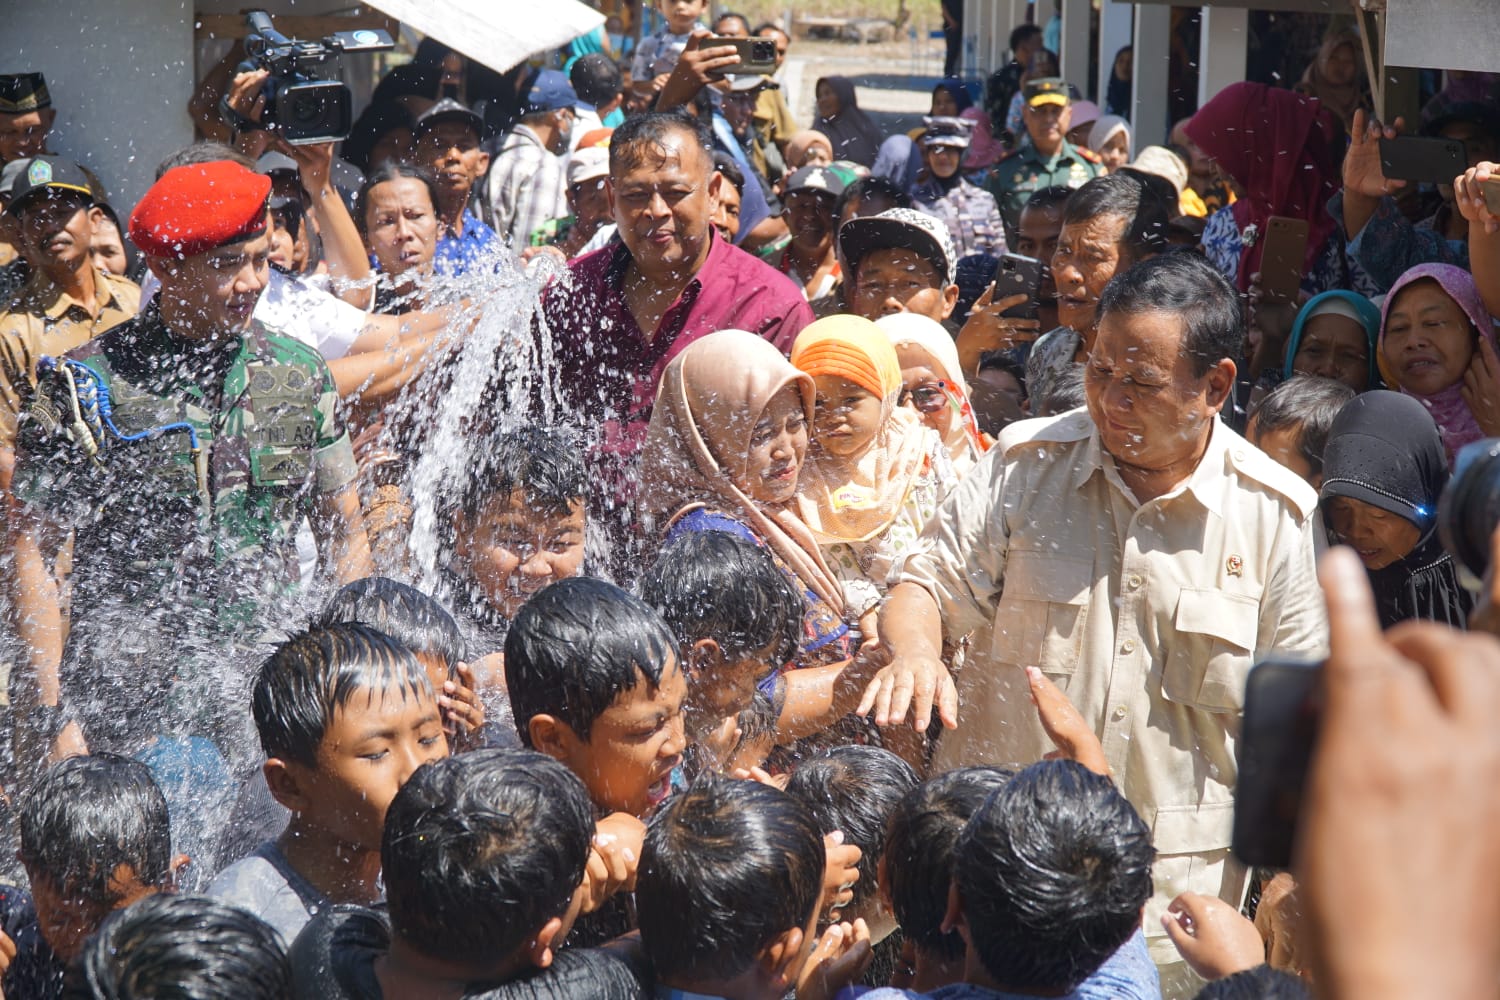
{"x": 1153, "y": 28}
{"x": 1074, "y": 57}
{"x": 120, "y": 75}
{"x": 1221, "y": 50}
{"x": 1116, "y": 22}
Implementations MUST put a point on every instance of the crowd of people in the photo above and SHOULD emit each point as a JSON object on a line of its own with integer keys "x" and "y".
{"x": 818, "y": 613}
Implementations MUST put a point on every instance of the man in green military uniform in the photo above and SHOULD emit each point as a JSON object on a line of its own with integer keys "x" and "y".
{"x": 1045, "y": 158}
{"x": 181, "y": 449}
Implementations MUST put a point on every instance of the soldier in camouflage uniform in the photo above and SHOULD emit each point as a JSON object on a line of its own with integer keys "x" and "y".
{"x": 182, "y": 449}
{"x": 1045, "y": 158}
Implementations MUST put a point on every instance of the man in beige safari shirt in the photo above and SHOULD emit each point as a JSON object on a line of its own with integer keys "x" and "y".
{"x": 1142, "y": 555}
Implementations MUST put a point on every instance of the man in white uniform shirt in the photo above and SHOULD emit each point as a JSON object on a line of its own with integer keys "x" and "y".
{"x": 1142, "y": 555}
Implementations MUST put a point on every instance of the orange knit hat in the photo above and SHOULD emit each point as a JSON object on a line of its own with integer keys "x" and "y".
{"x": 850, "y": 347}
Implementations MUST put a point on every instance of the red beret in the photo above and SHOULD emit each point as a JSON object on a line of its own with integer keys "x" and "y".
{"x": 195, "y": 208}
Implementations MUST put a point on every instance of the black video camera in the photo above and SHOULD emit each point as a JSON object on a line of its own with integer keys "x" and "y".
{"x": 300, "y": 107}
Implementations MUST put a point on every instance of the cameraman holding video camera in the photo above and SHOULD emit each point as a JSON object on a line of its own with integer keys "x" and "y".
{"x": 370, "y": 354}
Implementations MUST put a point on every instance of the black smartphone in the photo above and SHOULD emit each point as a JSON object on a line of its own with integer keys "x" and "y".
{"x": 757, "y": 55}
{"x": 1282, "y": 254}
{"x": 1424, "y": 159}
{"x": 1017, "y": 275}
{"x": 1283, "y": 705}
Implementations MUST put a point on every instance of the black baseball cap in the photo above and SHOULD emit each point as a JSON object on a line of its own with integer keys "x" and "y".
{"x": 49, "y": 173}
{"x": 448, "y": 110}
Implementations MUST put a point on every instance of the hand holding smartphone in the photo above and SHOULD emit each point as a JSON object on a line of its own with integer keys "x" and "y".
{"x": 1018, "y": 275}
{"x": 757, "y": 55}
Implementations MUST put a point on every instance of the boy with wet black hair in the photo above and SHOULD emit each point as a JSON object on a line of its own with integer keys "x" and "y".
{"x": 737, "y": 620}
{"x": 1050, "y": 877}
{"x": 728, "y": 895}
{"x": 424, "y": 626}
{"x": 917, "y": 867}
{"x": 345, "y": 715}
{"x": 595, "y": 682}
{"x": 482, "y": 857}
{"x": 95, "y": 836}
{"x": 518, "y": 524}
{"x": 181, "y": 946}
{"x": 854, "y": 789}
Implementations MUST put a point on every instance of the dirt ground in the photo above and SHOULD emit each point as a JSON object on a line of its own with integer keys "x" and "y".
{"x": 894, "y": 79}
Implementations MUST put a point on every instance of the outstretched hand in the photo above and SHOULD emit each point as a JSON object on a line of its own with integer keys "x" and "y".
{"x": 1065, "y": 727}
{"x": 1212, "y": 937}
{"x": 1398, "y": 887}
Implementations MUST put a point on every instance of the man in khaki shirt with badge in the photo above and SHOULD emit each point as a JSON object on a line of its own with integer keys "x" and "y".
{"x": 68, "y": 301}
{"x": 1142, "y": 555}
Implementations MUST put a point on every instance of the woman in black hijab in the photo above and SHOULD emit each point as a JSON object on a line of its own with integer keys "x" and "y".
{"x": 1383, "y": 470}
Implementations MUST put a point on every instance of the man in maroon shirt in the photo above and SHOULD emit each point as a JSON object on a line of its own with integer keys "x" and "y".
{"x": 623, "y": 312}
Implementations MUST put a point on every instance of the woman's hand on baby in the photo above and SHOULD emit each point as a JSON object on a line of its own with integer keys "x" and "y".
{"x": 1073, "y": 737}
{"x": 839, "y": 960}
{"x": 1481, "y": 389}
{"x": 614, "y": 857}
{"x": 1468, "y": 195}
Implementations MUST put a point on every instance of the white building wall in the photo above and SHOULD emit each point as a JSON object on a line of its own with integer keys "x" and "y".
{"x": 120, "y": 73}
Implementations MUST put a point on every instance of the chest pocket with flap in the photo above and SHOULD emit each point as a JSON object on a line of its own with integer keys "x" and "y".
{"x": 1043, "y": 611}
{"x": 1209, "y": 657}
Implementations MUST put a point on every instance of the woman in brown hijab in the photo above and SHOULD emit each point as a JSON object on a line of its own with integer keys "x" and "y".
{"x": 727, "y": 441}
{"x": 1336, "y": 77}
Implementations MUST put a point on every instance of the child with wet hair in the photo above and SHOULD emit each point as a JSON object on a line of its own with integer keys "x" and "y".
{"x": 482, "y": 856}
{"x": 596, "y": 683}
{"x": 738, "y": 620}
{"x": 729, "y": 896}
{"x": 518, "y": 525}
{"x": 854, "y": 790}
{"x": 345, "y": 714}
{"x": 424, "y": 626}
{"x": 917, "y": 868}
{"x": 95, "y": 836}
{"x": 182, "y": 946}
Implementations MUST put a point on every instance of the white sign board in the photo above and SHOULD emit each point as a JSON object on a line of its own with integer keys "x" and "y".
{"x": 1444, "y": 34}
{"x": 497, "y": 33}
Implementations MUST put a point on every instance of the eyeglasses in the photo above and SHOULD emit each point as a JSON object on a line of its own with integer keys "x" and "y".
{"x": 929, "y": 398}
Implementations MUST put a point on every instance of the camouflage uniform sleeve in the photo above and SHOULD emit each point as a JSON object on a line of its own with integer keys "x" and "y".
{"x": 333, "y": 460}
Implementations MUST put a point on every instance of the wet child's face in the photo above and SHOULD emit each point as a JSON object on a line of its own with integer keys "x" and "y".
{"x": 373, "y": 743}
{"x": 721, "y": 687}
{"x": 68, "y": 920}
{"x": 515, "y": 549}
{"x": 633, "y": 746}
{"x": 847, "y": 418}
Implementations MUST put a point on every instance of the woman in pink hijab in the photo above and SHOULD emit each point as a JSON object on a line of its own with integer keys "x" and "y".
{"x": 1437, "y": 343}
